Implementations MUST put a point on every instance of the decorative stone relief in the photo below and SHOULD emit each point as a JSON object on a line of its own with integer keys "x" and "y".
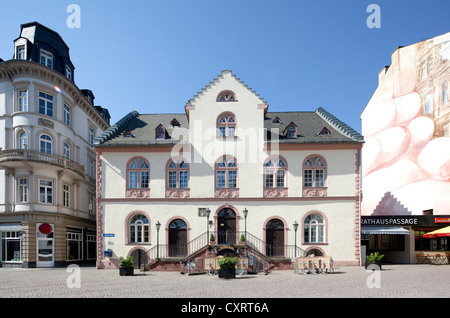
{"x": 226, "y": 193}
{"x": 315, "y": 192}
{"x": 138, "y": 193}
{"x": 276, "y": 193}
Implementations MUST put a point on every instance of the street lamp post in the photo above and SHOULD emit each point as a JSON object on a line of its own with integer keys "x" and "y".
{"x": 158, "y": 226}
{"x": 245, "y": 216}
{"x": 208, "y": 212}
{"x": 295, "y": 229}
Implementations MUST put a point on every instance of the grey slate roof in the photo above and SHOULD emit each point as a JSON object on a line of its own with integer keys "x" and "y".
{"x": 309, "y": 125}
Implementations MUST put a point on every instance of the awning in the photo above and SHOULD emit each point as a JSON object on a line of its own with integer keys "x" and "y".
{"x": 444, "y": 232}
{"x": 383, "y": 230}
{"x": 10, "y": 227}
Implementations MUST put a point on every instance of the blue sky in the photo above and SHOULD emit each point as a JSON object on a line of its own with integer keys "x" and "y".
{"x": 153, "y": 56}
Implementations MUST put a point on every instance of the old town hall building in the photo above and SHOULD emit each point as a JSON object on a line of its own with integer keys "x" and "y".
{"x": 282, "y": 184}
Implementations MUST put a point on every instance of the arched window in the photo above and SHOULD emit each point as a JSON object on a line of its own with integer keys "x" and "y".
{"x": 275, "y": 169}
{"x": 226, "y": 172}
{"x": 23, "y": 140}
{"x": 66, "y": 150}
{"x": 226, "y": 96}
{"x": 314, "y": 229}
{"x": 177, "y": 174}
{"x": 46, "y": 144}
{"x": 314, "y": 172}
{"x": 138, "y": 229}
{"x": 226, "y": 125}
{"x": 138, "y": 173}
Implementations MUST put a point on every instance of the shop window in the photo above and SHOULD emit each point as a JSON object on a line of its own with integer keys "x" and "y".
{"x": 11, "y": 246}
{"x": 74, "y": 245}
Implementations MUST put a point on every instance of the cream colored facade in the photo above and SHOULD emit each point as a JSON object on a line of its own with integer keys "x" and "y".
{"x": 47, "y": 162}
{"x": 337, "y": 202}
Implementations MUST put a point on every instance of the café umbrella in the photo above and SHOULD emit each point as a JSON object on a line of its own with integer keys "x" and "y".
{"x": 444, "y": 232}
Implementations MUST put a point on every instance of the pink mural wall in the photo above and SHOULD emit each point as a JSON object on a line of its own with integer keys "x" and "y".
{"x": 406, "y": 157}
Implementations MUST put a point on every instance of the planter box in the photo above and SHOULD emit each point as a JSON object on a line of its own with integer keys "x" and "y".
{"x": 227, "y": 273}
{"x": 126, "y": 271}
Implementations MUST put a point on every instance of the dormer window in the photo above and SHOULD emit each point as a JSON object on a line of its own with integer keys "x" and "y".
{"x": 128, "y": 134}
{"x": 175, "y": 123}
{"x": 324, "y": 131}
{"x": 226, "y": 96}
{"x": 20, "y": 52}
{"x": 68, "y": 73}
{"x": 276, "y": 121}
{"x": 160, "y": 132}
{"x": 291, "y": 131}
{"x": 46, "y": 58}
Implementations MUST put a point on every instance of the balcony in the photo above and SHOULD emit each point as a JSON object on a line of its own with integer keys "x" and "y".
{"x": 9, "y": 159}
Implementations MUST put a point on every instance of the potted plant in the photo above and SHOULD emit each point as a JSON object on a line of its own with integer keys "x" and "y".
{"x": 374, "y": 258}
{"x": 227, "y": 267}
{"x": 212, "y": 239}
{"x": 126, "y": 266}
{"x": 242, "y": 239}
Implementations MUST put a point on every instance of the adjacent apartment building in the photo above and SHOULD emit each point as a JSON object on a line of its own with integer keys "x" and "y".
{"x": 47, "y": 163}
{"x": 406, "y": 157}
{"x": 286, "y": 183}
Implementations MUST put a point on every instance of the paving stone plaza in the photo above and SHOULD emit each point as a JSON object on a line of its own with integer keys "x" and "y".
{"x": 394, "y": 281}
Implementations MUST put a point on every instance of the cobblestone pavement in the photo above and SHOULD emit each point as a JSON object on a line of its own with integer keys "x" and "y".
{"x": 394, "y": 281}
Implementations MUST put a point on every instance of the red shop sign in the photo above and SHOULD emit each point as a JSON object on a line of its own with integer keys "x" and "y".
{"x": 441, "y": 220}
{"x": 45, "y": 228}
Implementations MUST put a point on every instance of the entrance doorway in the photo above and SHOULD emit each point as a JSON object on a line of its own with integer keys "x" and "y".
{"x": 177, "y": 238}
{"x": 226, "y": 227}
{"x": 45, "y": 247}
{"x": 140, "y": 257}
{"x": 275, "y": 238}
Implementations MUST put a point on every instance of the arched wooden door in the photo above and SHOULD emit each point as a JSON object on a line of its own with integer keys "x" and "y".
{"x": 275, "y": 238}
{"x": 177, "y": 238}
{"x": 226, "y": 227}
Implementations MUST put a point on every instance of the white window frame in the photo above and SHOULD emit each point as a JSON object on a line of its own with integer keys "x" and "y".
{"x": 48, "y": 190}
{"x": 66, "y": 195}
{"x": 91, "y": 135}
{"x": 6, "y": 236}
{"x": 48, "y": 104}
{"x": 68, "y": 72}
{"x": 22, "y": 100}
{"x": 67, "y": 114}
{"x": 46, "y": 58}
{"x": 21, "y": 52}
{"x": 22, "y": 190}
{"x": 23, "y": 139}
{"x": 91, "y": 167}
{"x": 91, "y": 203}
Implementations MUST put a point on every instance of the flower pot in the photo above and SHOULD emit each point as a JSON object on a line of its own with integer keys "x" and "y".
{"x": 128, "y": 271}
{"x": 373, "y": 266}
{"x": 227, "y": 273}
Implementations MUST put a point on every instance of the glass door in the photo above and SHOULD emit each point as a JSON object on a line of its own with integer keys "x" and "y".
{"x": 45, "y": 245}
